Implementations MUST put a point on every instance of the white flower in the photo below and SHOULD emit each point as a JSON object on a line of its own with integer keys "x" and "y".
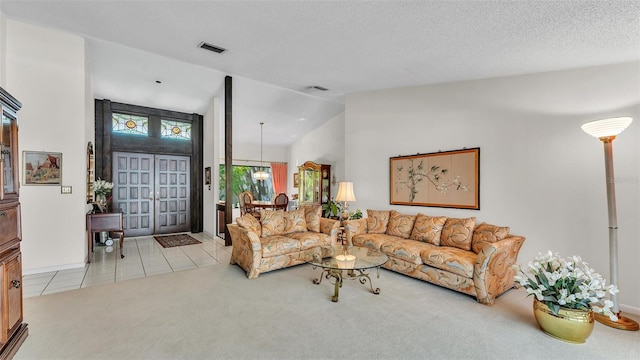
{"x": 568, "y": 283}
{"x": 101, "y": 187}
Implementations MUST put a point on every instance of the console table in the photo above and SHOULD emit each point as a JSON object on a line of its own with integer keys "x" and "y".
{"x": 98, "y": 222}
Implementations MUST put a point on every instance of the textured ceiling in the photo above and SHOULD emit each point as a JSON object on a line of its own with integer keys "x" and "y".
{"x": 277, "y": 49}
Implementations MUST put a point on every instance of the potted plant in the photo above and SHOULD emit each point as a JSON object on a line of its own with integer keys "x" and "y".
{"x": 565, "y": 290}
{"x": 355, "y": 215}
{"x": 331, "y": 209}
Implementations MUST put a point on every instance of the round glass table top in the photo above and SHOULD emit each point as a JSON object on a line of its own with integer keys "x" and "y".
{"x": 343, "y": 257}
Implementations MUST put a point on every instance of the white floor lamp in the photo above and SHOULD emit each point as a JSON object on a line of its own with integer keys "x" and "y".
{"x": 606, "y": 130}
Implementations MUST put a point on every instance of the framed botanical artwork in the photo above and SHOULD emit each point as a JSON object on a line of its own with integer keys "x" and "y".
{"x": 296, "y": 180}
{"x": 42, "y": 168}
{"x": 442, "y": 179}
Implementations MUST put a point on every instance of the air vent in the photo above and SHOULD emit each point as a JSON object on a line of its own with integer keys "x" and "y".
{"x": 210, "y": 47}
{"x": 317, "y": 87}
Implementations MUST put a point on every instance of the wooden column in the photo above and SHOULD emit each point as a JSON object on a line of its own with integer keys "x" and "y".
{"x": 228, "y": 156}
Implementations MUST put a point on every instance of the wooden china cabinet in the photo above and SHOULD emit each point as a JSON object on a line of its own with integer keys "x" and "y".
{"x": 12, "y": 330}
{"x": 314, "y": 187}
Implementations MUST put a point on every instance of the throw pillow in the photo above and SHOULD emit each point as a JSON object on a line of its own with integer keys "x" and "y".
{"x": 250, "y": 223}
{"x": 428, "y": 228}
{"x": 377, "y": 221}
{"x": 400, "y": 224}
{"x": 456, "y": 233}
{"x": 294, "y": 221}
{"x": 312, "y": 215}
{"x": 272, "y": 222}
{"x": 487, "y": 233}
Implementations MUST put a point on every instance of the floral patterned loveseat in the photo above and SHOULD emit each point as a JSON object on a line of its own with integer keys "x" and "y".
{"x": 450, "y": 252}
{"x": 279, "y": 239}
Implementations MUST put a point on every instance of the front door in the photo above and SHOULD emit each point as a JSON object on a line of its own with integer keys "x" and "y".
{"x": 152, "y": 191}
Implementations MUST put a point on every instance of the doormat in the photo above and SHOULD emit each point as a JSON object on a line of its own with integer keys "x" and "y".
{"x": 168, "y": 241}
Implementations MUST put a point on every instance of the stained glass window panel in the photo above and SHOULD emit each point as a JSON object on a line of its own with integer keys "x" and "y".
{"x": 175, "y": 129}
{"x": 130, "y": 124}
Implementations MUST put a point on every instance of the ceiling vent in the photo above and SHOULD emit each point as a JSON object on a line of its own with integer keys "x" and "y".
{"x": 210, "y": 47}
{"x": 317, "y": 87}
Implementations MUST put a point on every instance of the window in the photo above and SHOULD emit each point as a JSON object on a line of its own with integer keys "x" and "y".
{"x": 175, "y": 129}
{"x": 242, "y": 180}
{"x": 130, "y": 124}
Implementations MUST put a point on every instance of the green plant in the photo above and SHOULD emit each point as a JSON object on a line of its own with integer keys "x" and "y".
{"x": 569, "y": 283}
{"x": 355, "y": 215}
{"x": 331, "y": 209}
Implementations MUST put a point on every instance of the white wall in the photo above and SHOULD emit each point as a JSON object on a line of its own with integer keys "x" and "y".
{"x": 3, "y": 48}
{"x": 540, "y": 173}
{"x": 324, "y": 145}
{"x": 45, "y": 70}
{"x": 210, "y": 193}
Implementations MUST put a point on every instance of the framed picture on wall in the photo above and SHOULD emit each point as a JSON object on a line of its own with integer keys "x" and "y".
{"x": 442, "y": 179}
{"x": 296, "y": 180}
{"x": 207, "y": 176}
{"x": 42, "y": 168}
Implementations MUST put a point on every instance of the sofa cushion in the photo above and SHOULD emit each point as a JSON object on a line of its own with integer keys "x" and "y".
{"x": 456, "y": 233}
{"x": 309, "y": 239}
{"x": 405, "y": 249}
{"x": 278, "y": 245}
{"x": 273, "y": 222}
{"x": 428, "y": 228}
{"x": 377, "y": 221}
{"x": 294, "y": 221}
{"x": 454, "y": 260}
{"x": 312, "y": 215}
{"x": 400, "y": 224}
{"x": 486, "y": 233}
{"x": 372, "y": 241}
{"x": 248, "y": 222}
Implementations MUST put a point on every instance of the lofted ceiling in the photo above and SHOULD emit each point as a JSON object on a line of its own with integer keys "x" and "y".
{"x": 277, "y": 50}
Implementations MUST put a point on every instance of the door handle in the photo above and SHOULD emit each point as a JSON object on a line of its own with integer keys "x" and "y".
{"x": 16, "y": 284}
{"x": 151, "y": 196}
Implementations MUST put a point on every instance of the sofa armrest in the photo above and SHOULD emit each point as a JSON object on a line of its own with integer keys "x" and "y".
{"x": 330, "y": 227}
{"x": 354, "y": 227}
{"x": 493, "y": 271}
{"x": 246, "y": 249}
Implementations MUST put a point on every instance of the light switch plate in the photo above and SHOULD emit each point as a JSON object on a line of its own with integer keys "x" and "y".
{"x": 65, "y": 189}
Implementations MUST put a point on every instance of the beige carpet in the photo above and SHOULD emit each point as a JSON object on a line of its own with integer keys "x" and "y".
{"x": 216, "y": 313}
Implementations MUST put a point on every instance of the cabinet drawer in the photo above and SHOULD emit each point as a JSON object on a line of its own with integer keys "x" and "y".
{"x": 9, "y": 223}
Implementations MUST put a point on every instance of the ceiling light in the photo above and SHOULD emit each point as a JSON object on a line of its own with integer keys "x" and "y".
{"x": 261, "y": 175}
{"x": 210, "y": 47}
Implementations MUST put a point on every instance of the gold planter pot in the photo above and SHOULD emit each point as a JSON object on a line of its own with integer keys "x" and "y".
{"x": 569, "y": 325}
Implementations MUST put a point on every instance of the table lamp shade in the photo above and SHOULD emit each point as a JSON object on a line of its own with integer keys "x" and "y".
{"x": 345, "y": 192}
{"x": 607, "y": 127}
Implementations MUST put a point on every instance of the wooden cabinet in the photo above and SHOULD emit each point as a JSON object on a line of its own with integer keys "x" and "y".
{"x": 315, "y": 183}
{"x": 12, "y": 330}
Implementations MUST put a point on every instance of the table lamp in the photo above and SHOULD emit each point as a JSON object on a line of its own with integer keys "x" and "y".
{"x": 606, "y": 130}
{"x": 345, "y": 194}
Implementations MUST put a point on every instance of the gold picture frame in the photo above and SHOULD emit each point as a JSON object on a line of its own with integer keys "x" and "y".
{"x": 296, "y": 180}
{"x": 441, "y": 179}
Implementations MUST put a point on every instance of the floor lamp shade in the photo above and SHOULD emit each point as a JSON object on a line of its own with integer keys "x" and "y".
{"x": 606, "y": 130}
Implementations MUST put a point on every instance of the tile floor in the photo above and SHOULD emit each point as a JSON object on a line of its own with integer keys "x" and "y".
{"x": 143, "y": 257}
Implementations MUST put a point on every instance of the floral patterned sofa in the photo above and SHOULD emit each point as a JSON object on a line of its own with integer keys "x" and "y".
{"x": 279, "y": 239}
{"x": 450, "y": 252}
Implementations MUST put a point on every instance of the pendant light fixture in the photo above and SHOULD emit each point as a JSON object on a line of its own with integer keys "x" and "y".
{"x": 261, "y": 175}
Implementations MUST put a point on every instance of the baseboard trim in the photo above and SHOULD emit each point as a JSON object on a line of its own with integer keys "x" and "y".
{"x": 629, "y": 309}
{"x": 52, "y": 268}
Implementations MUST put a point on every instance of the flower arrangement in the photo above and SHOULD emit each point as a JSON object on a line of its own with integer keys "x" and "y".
{"x": 567, "y": 283}
{"x": 102, "y": 187}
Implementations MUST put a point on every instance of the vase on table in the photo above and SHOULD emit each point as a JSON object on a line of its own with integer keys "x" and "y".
{"x": 570, "y": 325}
{"x": 101, "y": 200}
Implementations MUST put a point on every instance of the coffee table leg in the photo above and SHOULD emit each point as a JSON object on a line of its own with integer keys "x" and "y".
{"x": 337, "y": 276}
{"x": 363, "y": 277}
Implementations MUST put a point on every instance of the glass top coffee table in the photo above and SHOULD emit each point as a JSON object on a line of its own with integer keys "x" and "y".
{"x": 352, "y": 262}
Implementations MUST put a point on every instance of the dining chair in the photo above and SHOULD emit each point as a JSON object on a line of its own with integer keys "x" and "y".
{"x": 247, "y": 200}
{"x": 281, "y": 202}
